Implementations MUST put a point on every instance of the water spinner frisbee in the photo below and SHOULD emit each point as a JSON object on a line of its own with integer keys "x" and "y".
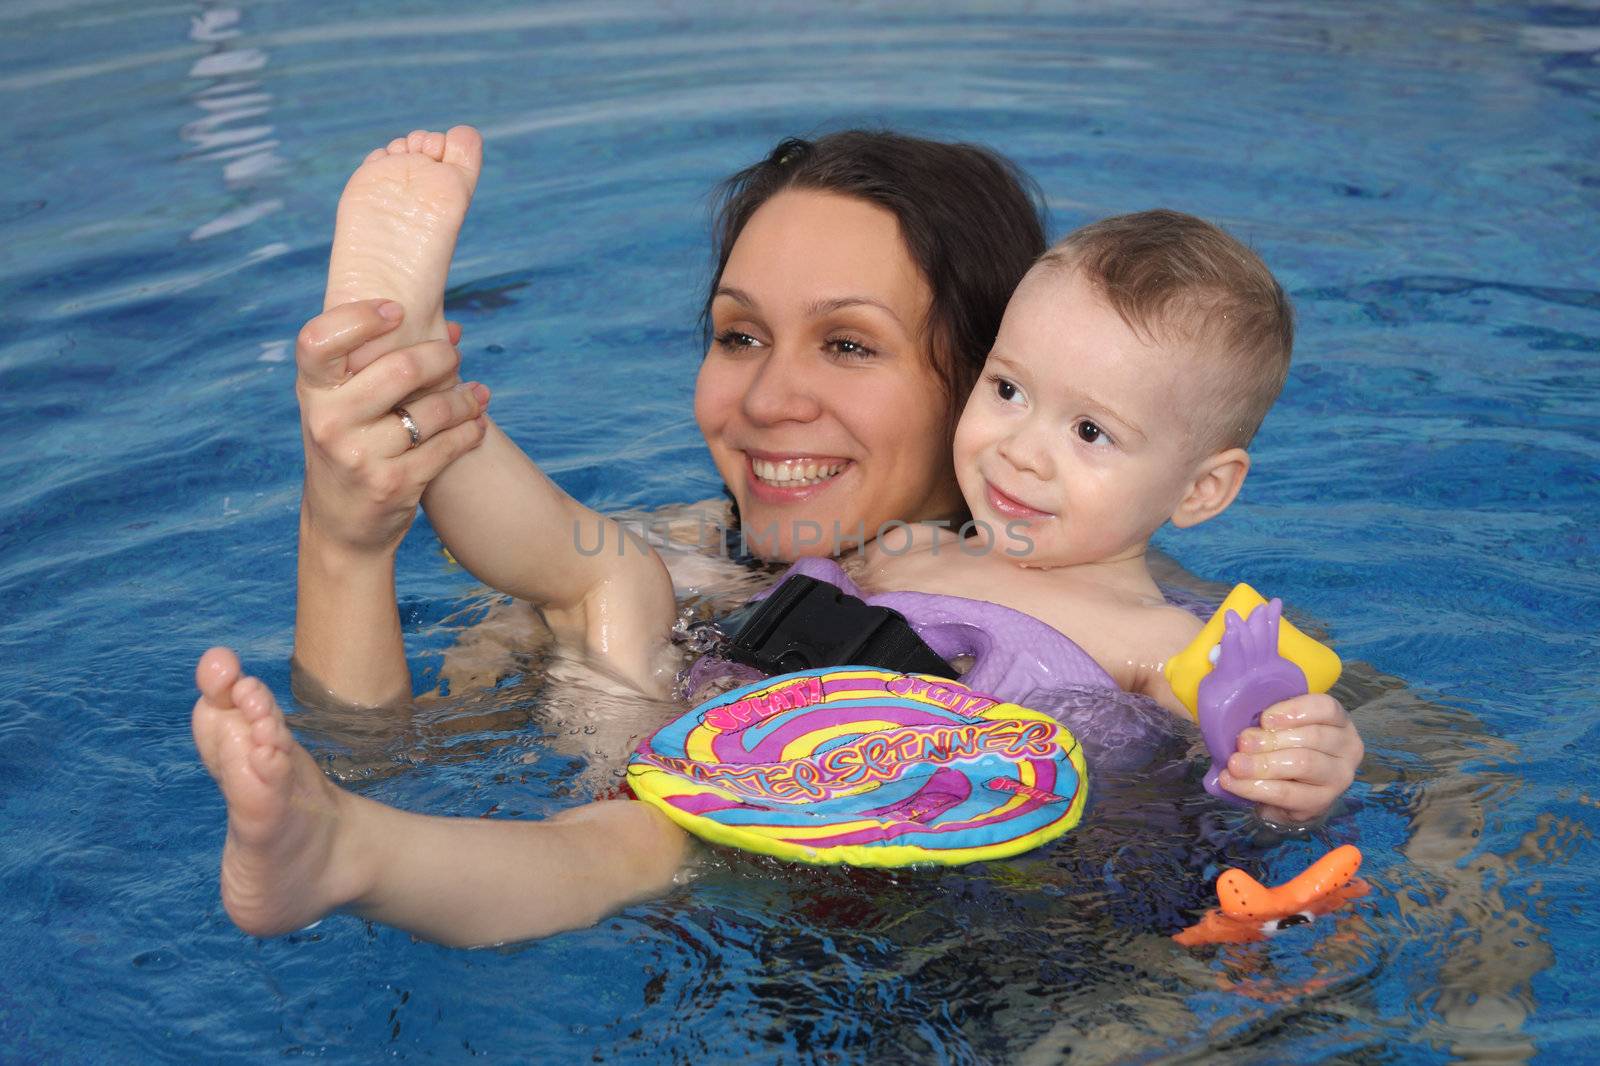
{"x": 865, "y": 766}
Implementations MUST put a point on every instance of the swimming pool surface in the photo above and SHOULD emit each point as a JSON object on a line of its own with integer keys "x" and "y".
{"x": 1422, "y": 176}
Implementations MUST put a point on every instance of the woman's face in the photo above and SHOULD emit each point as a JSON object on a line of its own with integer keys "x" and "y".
{"x": 818, "y": 398}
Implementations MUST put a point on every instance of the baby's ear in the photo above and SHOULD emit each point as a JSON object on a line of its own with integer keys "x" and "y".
{"x": 1217, "y": 480}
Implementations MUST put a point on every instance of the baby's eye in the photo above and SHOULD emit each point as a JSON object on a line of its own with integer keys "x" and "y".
{"x": 1090, "y": 433}
{"x": 850, "y": 349}
{"x": 732, "y": 339}
{"x": 1006, "y": 390}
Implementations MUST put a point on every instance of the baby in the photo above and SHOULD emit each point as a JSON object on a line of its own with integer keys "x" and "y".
{"x": 1133, "y": 366}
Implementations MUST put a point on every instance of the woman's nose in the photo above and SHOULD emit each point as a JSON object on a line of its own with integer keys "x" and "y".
{"x": 782, "y": 390}
{"x": 1026, "y": 449}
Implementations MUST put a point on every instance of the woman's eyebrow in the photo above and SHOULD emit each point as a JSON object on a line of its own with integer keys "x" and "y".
{"x": 839, "y": 303}
{"x": 816, "y": 309}
{"x": 735, "y": 294}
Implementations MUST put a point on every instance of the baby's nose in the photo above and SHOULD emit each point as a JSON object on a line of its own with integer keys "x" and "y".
{"x": 1028, "y": 452}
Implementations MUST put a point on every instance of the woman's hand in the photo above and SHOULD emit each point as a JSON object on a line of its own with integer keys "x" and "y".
{"x": 364, "y": 474}
{"x": 1298, "y": 761}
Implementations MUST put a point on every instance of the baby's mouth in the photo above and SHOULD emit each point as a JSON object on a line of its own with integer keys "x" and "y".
{"x": 1012, "y": 507}
{"x": 796, "y": 473}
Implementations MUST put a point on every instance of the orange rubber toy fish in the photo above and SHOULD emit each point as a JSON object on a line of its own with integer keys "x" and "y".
{"x": 1251, "y": 911}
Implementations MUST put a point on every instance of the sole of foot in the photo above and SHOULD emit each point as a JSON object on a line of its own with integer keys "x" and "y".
{"x": 398, "y": 220}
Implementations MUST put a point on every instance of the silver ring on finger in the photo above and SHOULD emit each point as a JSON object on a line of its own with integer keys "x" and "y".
{"x": 410, "y": 424}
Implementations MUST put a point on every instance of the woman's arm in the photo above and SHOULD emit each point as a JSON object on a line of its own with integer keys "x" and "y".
{"x": 507, "y": 523}
{"x": 363, "y": 481}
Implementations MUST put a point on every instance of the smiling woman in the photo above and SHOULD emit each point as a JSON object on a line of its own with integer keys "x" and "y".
{"x": 860, "y": 281}
{"x": 860, "y": 284}
{"x": 819, "y": 327}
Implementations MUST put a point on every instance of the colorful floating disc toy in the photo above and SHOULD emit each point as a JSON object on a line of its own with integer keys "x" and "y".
{"x": 867, "y": 767}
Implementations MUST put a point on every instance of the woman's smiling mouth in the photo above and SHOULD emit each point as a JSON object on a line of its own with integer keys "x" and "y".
{"x": 783, "y": 478}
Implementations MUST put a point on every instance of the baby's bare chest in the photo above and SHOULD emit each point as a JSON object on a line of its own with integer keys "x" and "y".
{"x": 1108, "y": 623}
{"x": 948, "y": 572}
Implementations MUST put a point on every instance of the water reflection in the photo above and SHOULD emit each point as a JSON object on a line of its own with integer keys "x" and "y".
{"x": 233, "y": 131}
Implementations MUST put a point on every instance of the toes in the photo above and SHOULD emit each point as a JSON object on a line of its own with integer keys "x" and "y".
{"x": 415, "y": 140}
{"x": 463, "y": 147}
{"x": 376, "y": 153}
{"x": 253, "y": 698}
{"x": 208, "y": 726}
{"x": 397, "y": 146}
{"x": 433, "y": 145}
{"x": 270, "y": 733}
{"x": 269, "y": 763}
{"x": 220, "y": 737}
{"x": 215, "y": 675}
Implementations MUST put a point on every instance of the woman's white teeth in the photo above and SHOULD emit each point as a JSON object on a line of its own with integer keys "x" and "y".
{"x": 795, "y": 472}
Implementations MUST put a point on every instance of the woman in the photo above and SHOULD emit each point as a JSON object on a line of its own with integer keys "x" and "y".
{"x": 860, "y": 282}
{"x": 847, "y": 325}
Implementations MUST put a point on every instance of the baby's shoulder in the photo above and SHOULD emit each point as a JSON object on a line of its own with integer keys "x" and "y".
{"x": 904, "y": 540}
{"x": 1156, "y": 628}
{"x": 1171, "y": 623}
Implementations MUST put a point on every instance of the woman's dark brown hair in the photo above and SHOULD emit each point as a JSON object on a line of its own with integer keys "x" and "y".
{"x": 971, "y": 220}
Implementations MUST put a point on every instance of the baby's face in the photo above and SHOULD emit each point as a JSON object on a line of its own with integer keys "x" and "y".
{"x": 1078, "y": 430}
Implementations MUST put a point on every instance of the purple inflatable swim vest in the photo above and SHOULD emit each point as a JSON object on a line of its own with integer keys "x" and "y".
{"x": 1015, "y": 658}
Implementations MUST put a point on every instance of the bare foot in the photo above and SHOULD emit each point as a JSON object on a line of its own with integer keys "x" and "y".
{"x": 397, "y": 226}
{"x": 281, "y": 864}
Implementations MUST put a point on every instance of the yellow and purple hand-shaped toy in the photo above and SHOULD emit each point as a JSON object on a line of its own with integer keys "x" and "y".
{"x": 1245, "y": 659}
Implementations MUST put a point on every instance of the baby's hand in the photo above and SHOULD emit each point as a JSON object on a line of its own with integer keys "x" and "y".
{"x": 1302, "y": 757}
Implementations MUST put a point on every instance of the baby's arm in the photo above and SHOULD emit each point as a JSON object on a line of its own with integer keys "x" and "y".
{"x": 514, "y": 529}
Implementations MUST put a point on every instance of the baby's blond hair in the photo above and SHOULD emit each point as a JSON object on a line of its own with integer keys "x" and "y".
{"x": 1179, "y": 280}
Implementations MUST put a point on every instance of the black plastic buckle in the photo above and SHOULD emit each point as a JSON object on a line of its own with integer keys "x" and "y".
{"x": 806, "y": 624}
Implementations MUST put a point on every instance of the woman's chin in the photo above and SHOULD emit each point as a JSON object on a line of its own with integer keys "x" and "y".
{"x": 783, "y": 535}
{"x": 787, "y": 522}
{"x": 786, "y": 533}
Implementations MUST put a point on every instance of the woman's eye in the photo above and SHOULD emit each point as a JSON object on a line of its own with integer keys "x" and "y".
{"x": 732, "y": 339}
{"x": 1090, "y": 433}
{"x": 850, "y": 349}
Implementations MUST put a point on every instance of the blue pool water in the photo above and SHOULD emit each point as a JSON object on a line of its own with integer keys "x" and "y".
{"x": 1422, "y": 176}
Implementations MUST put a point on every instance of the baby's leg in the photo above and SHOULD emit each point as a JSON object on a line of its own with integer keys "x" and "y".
{"x": 288, "y": 858}
{"x": 396, "y": 231}
{"x": 286, "y": 861}
{"x": 299, "y": 847}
